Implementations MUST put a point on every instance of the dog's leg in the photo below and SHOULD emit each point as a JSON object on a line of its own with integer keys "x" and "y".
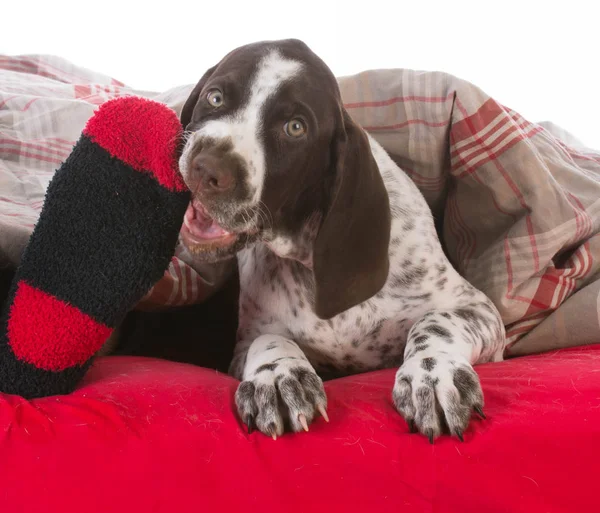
{"x": 280, "y": 389}
{"x": 436, "y": 388}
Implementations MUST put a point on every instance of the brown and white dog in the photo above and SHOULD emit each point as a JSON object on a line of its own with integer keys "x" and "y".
{"x": 341, "y": 269}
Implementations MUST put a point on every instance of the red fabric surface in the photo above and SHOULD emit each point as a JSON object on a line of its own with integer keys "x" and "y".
{"x": 153, "y": 436}
{"x": 63, "y": 336}
{"x": 142, "y": 133}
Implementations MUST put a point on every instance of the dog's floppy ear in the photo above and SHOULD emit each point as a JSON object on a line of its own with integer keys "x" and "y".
{"x": 350, "y": 253}
{"x": 190, "y": 103}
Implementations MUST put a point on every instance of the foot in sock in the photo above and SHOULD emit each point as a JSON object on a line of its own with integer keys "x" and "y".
{"x": 105, "y": 236}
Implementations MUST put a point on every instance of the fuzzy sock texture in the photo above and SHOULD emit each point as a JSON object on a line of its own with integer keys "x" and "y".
{"x": 105, "y": 236}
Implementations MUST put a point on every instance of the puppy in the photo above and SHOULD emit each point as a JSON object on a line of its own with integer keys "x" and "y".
{"x": 341, "y": 269}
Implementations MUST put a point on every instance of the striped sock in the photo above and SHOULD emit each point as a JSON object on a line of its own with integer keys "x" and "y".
{"x": 105, "y": 236}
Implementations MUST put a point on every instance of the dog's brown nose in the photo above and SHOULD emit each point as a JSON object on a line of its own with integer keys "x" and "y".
{"x": 213, "y": 177}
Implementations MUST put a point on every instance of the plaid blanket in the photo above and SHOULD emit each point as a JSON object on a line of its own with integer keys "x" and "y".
{"x": 518, "y": 203}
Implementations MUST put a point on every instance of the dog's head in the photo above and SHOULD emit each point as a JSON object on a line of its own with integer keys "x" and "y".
{"x": 269, "y": 147}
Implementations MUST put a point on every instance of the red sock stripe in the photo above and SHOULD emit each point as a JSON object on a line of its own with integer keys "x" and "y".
{"x": 142, "y": 133}
{"x": 50, "y": 334}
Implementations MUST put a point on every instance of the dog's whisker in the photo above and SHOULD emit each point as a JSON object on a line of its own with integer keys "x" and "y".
{"x": 264, "y": 211}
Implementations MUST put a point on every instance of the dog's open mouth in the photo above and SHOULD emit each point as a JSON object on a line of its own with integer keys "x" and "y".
{"x": 199, "y": 228}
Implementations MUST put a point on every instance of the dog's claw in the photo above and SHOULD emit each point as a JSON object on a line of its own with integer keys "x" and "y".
{"x": 460, "y": 436}
{"x": 323, "y": 413}
{"x": 411, "y": 426}
{"x": 429, "y": 433}
{"x": 272, "y": 430}
{"x": 251, "y": 425}
{"x": 303, "y": 423}
{"x": 479, "y": 410}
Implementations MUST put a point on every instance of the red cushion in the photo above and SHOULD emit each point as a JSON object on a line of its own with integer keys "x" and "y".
{"x": 144, "y": 435}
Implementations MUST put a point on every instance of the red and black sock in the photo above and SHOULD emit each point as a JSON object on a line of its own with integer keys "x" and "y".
{"x": 105, "y": 236}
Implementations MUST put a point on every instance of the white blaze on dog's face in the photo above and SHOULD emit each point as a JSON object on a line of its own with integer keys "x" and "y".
{"x": 260, "y": 126}
{"x": 242, "y": 128}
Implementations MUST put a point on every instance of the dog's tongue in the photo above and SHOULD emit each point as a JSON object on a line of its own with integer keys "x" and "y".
{"x": 200, "y": 224}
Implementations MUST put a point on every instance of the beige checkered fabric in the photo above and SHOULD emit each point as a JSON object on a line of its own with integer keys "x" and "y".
{"x": 518, "y": 203}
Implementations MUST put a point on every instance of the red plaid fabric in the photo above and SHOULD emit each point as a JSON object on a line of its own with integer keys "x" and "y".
{"x": 520, "y": 207}
{"x": 518, "y": 202}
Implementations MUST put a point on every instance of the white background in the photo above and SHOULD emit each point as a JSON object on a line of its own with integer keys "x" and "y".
{"x": 539, "y": 58}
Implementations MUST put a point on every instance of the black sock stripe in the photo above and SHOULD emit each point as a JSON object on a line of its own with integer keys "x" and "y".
{"x": 106, "y": 236}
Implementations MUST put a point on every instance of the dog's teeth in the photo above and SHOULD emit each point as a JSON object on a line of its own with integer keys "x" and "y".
{"x": 303, "y": 423}
{"x": 323, "y": 412}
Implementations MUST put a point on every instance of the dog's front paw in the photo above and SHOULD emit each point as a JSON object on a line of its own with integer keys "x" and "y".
{"x": 437, "y": 393}
{"x": 281, "y": 397}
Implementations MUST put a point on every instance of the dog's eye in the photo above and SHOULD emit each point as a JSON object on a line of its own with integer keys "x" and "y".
{"x": 295, "y": 128}
{"x": 215, "y": 98}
